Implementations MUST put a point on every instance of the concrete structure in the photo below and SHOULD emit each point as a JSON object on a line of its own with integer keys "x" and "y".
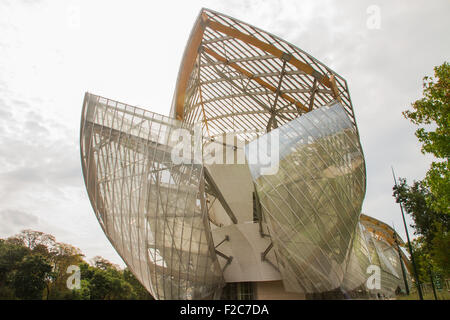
{"x": 251, "y": 188}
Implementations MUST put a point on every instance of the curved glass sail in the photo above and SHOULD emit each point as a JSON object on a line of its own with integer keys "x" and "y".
{"x": 313, "y": 201}
{"x": 152, "y": 210}
{"x": 293, "y": 215}
{"x": 383, "y": 253}
{"x": 356, "y": 274}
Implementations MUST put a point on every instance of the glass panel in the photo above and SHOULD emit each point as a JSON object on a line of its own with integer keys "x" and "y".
{"x": 313, "y": 201}
{"x": 150, "y": 208}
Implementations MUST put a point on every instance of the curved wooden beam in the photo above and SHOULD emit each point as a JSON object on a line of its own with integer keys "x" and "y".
{"x": 251, "y": 76}
{"x": 193, "y": 46}
{"x": 188, "y": 62}
{"x": 217, "y": 26}
{"x": 381, "y": 225}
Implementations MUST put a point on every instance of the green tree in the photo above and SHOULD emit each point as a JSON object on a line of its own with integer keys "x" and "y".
{"x": 138, "y": 288}
{"x": 106, "y": 281}
{"x": 430, "y": 225}
{"x": 432, "y": 114}
{"x": 414, "y": 201}
{"x": 30, "y": 277}
{"x": 59, "y": 255}
{"x": 421, "y": 257}
{"x": 11, "y": 255}
{"x": 440, "y": 250}
{"x": 33, "y": 261}
{"x": 84, "y": 293}
{"x": 109, "y": 285}
{"x": 62, "y": 256}
{"x": 428, "y": 201}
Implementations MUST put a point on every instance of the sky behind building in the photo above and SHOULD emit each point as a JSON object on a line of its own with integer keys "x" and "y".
{"x": 51, "y": 52}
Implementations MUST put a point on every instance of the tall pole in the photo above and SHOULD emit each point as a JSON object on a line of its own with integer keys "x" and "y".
{"x": 401, "y": 262}
{"x": 432, "y": 283}
{"x": 416, "y": 275}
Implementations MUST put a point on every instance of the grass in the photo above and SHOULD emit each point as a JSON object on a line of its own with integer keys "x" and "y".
{"x": 442, "y": 295}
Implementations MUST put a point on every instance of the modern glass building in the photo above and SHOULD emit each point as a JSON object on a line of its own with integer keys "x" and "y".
{"x": 251, "y": 189}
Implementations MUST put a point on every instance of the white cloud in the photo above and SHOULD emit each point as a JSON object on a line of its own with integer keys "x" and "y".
{"x": 14, "y": 220}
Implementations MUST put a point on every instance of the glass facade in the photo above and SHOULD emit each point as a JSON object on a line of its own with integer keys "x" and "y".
{"x": 312, "y": 204}
{"x": 188, "y": 229}
{"x": 151, "y": 209}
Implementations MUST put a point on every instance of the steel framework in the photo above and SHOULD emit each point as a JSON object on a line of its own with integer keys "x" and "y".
{"x": 185, "y": 229}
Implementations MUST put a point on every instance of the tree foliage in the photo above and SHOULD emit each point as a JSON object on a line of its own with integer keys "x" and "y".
{"x": 414, "y": 201}
{"x": 30, "y": 277}
{"x": 33, "y": 265}
{"x": 440, "y": 249}
{"x": 432, "y": 114}
{"x": 427, "y": 201}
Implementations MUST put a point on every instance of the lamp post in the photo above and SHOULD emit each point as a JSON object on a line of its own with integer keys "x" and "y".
{"x": 419, "y": 289}
{"x": 401, "y": 262}
{"x": 432, "y": 282}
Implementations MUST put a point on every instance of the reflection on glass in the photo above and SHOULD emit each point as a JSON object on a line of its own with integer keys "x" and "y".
{"x": 150, "y": 209}
{"x": 312, "y": 204}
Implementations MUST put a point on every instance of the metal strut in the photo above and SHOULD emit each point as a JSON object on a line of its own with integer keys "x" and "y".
{"x": 264, "y": 254}
{"x": 228, "y": 258}
{"x": 227, "y": 238}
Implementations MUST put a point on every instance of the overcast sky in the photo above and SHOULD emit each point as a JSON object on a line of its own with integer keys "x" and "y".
{"x": 51, "y": 52}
